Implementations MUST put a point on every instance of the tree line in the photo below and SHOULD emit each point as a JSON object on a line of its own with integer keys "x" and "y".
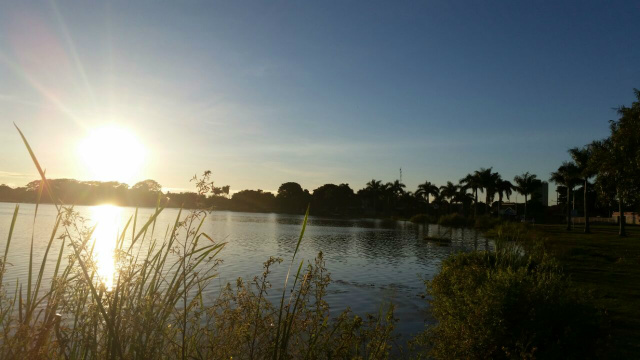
{"x": 614, "y": 165}
{"x": 602, "y": 176}
{"x": 376, "y": 199}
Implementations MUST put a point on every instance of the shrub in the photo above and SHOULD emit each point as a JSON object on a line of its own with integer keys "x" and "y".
{"x": 486, "y": 222}
{"x": 504, "y": 305}
{"x": 422, "y": 219}
{"x": 509, "y": 231}
{"x": 453, "y": 220}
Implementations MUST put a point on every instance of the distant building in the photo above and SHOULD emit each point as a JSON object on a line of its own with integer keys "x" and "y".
{"x": 542, "y": 194}
{"x": 630, "y": 217}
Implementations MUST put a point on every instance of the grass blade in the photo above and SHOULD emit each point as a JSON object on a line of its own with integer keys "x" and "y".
{"x": 286, "y": 280}
{"x": 6, "y": 249}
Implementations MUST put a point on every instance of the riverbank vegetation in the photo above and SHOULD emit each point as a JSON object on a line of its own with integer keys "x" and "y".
{"x": 540, "y": 275}
{"x": 506, "y": 305}
{"x": 608, "y": 267}
{"x": 154, "y": 305}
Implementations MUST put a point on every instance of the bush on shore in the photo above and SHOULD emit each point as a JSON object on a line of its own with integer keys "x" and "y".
{"x": 423, "y": 219}
{"x": 485, "y": 222}
{"x": 505, "y": 305}
{"x": 454, "y": 220}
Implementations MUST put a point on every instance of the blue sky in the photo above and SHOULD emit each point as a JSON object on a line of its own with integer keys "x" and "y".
{"x": 314, "y": 92}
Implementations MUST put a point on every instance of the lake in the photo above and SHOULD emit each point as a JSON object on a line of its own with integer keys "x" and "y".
{"x": 372, "y": 262}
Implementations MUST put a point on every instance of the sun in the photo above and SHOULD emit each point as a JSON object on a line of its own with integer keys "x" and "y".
{"x": 112, "y": 153}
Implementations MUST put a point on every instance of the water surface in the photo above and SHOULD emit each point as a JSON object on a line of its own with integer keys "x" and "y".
{"x": 372, "y": 262}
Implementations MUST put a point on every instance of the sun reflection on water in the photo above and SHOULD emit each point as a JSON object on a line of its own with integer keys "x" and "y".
{"x": 107, "y": 218}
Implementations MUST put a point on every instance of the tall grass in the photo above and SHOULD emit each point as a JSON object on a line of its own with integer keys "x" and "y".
{"x": 157, "y": 307}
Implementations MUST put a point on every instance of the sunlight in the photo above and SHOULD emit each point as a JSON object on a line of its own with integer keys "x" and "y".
{"x": 107, "y": 220}
{"x": 112, "y": 153}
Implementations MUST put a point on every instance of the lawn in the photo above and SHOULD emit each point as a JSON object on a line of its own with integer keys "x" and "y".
{"x": 609, "y": 267}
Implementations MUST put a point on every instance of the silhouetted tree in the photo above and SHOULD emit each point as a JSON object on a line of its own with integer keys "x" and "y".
{"x": 331, "y": 199}
{"x": 472, "y": 181}
{"x": 617, "y": 158}
{"x": 253, "y": 201}
{"x": 292, "y": 198}
{"x": 526, "y": 184}
{"x": 582, "y": 159}
{"x": 425, "y": 190}
{"x": 449, "y": 191}
{"x": 503, "y": 188}
{"x": 567, "y": 175}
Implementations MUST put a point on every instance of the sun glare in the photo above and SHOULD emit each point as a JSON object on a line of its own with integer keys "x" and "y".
{"x": 112, "y": 153}
{"x": 107, "y": 221}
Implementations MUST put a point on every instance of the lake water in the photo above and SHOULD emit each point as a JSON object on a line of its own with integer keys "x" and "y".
{"x": 371, "y": 261}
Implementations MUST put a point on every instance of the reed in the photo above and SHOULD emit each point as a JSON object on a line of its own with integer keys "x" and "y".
{"x": 156, "y": 306}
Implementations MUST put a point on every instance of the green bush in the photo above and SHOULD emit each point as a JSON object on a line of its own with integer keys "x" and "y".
{"x": 509, "y": 231}
{"x": 486, "y": 222}
{"x": 453, "y": 220}
{"x": 504, "y": 306}
{"x": 422, "y": 219}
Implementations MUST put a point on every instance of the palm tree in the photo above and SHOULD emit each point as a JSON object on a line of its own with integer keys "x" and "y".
{"x": 375, "y": 188}
{"x": 487, "y": 181}
{"x": 566, "y": 175}
{"x": 504, "y": 188}
{"x": 397, "y": 187}
{"x": 393, "y": 191}
{"x": 582, "y": 159}
{"x": 462, "y": 197}
{"x": 471, "y": 181}
{"x": 449, "y": 191}
{"x": 526, "y": 184}
{"x": 491, "y": 188}
{"x": 426, "y": 189}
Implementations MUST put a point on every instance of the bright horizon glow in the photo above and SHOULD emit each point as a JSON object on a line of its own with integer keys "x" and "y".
{"x": 112, "y": 153}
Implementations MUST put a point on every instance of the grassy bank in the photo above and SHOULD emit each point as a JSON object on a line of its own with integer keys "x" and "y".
{"x": 609, "y": 267}
{"x": 544, "y": 293}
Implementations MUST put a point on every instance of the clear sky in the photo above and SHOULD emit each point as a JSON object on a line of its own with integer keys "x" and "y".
{"x": 312, "y": 91}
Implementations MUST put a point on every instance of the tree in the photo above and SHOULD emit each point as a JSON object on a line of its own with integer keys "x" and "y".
{"x": 292, "y": 198}
{"x": 567, "y": 175}
{"x": 449, "y": 191}
{"x": 397, "y": 188}
{"x": 148, "y": 185}
{"x": 491, "y": 188}
{"x": 374, "y": 189}
{"x": 526, "y": 184}
{"x": 487, "y": 181}
{"x": 425, "y": 190}
{"x": 617, "y": 158}
{"x": 253, "y": 200}
{"x": 463, "y": 197}
{"x": 472, "y": 181}
{"x": 394, "y": 191}
{"x": 333, "y": 199}
{"x": 582, "y": 159}
{"x": 503, "y": 188}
